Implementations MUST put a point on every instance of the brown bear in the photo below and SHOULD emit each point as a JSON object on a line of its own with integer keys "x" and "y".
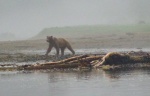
{"x": 114, "y": 58}
{"x": 58, "y": 43}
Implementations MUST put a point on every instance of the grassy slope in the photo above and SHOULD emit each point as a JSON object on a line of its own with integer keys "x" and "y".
{"x": 98, "y": 36}
{"x": 93, "y": 30}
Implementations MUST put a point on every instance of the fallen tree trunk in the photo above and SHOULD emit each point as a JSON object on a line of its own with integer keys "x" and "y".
{"x": 72, "y": 62}
{"x": 89, "y": 61}
{"x": 114, "y": 58}
{"x": 67, "y": 60}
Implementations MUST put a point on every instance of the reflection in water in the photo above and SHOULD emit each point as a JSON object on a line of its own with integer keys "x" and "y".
{"x": 118, "y": 73}
{"x": 120, "y": 82}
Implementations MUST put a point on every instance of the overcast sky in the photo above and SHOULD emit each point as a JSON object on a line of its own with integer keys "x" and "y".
{"x": 26, "y": 18}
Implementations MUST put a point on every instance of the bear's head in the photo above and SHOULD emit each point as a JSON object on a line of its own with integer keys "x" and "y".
{"x": 49, "y": 39}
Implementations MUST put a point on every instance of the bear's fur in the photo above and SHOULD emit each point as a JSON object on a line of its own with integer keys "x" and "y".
{"x": 58, "y": 43}
{"x": 114, "y": 58}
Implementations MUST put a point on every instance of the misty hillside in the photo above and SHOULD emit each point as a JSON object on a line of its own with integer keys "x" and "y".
{"x": 7, "y": 36}
{"x": 89, "y": 31}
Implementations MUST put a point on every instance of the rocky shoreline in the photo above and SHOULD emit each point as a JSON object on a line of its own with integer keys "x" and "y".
{"x": 22, "y": 57}
{"x": 78, "y": 61}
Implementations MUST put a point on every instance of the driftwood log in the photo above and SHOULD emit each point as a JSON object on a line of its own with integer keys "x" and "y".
{"x": 73, "y": 62}
{"x": 86, "y": 61}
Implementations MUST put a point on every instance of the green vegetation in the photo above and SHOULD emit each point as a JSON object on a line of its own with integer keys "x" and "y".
{"x": 90, "y": 30}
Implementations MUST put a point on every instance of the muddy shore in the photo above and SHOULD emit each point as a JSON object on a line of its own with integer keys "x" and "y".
{"x": 34, "y": 50}
{"x": 99, "y": 41}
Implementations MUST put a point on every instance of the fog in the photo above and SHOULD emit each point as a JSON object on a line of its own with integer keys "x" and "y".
{"x": 26, "y": 18}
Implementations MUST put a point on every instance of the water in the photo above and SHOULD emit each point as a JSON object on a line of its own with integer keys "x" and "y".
{"x": 124, "y": 82}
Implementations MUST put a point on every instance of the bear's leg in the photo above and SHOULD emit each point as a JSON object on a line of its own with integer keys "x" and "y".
{"x": 62, "y": 52}
{"x": 70, "y": 48}
{"x": 57, "y": 52}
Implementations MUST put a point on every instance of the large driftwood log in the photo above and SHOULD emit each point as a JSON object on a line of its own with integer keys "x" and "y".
{"x": 115, "y": 58}
{"x": 72, "y": 62}
{"x": 86, "y": 61}
{"x": 67, "y": 60}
